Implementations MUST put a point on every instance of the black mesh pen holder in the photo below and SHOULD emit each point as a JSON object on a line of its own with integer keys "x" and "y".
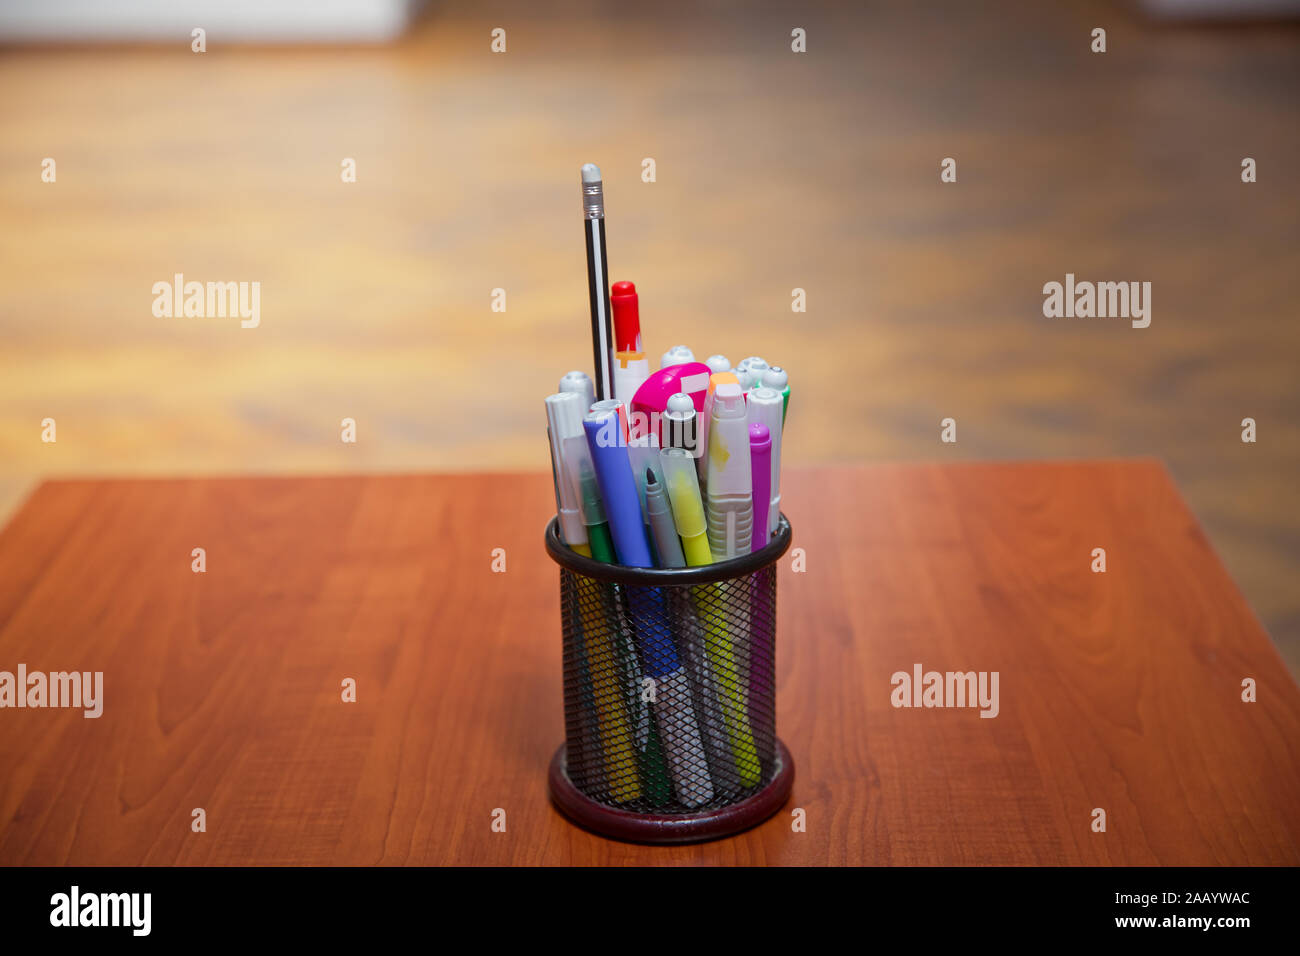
{"x": 670, "y": 696}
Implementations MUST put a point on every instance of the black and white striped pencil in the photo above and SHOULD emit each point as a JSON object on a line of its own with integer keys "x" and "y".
{"x": 602, "y": 344}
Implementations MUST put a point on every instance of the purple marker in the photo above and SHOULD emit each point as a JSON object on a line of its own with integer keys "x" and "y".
{"x": 760, "y": 455}
{"x": 762, "y": 669}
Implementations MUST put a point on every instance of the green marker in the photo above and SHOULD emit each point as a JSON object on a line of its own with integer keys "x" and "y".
{"x": 593, "y": 514}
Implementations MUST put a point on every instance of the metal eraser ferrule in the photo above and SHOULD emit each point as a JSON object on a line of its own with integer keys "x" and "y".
{"x": 593, "y": 200}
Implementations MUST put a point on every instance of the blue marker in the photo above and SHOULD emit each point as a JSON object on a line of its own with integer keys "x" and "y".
{"x": 618, "y": 492}
{"x": 674, "y": 712}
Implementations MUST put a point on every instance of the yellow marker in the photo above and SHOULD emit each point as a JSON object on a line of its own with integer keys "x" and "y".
{"x": 731, "y": 691}
{"x": 611, "y": 712}
{"x": 688, "y": 513}
{"x": 702, "y": 466}
{"x": 582, "y": 549}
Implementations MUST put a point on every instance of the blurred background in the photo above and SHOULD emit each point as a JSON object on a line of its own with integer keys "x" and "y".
{"x": 774, "y": 170}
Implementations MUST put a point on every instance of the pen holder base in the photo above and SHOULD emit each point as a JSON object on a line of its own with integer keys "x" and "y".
{"x": 665, "y": 828}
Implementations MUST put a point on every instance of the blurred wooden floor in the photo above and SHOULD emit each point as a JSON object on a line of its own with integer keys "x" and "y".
{"x": 774, "y": 170}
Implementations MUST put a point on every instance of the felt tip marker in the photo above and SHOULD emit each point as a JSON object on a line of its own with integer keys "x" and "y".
{"x": 626, "y": 306}
{"x": 667, "y": 544}
{"x": 688, "y": 508}
{"x": 764, "y": 407}
{"x": 673, "y": 710}
{"x": 706, "y": 422}
{"x": 728, "y": 501}
{"x": 631, "y": 369}
{"x": 602, "y": 546}
{"x": 564, "y": 420}
{"x": 760, "y": 467}
{"x": 607, "y": 442}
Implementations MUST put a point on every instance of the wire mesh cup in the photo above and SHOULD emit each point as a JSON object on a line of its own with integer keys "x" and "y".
{"x": 670, "y": 696}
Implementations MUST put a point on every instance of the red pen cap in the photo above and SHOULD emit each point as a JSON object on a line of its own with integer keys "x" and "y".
{"x": 627, "y": 317}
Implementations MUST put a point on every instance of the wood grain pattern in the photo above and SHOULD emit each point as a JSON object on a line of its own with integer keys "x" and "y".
{"x": 774, "y": 171}
{"x": 222, "y": 690}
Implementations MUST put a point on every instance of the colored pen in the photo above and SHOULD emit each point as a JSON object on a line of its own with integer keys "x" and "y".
{"x": 765, "y": 407}
{"x": 727, "y": 681}
{"x": 683, "y": 487}
{"x": 605, "y": 427}
{"x": 707, "y": 650}
{"x": 706, "y": 422}
{"x": 776, "y": 378}
{"x": 667, "y": 544}
{"x": 607, "y": 442}
{"x": 729, "y": 512}
{"x": 728, "y": 500}
{"x": 761, "y": 611}
{"x": 626, "y": 305}
{"x": 564, "y": 420}
{"x": 760, "y": 467}
{"x": 631, "y": 369}
{"x": 593, "y": 513}
{"x": 643, "y": 453}
{"x": 593, "y": 210}
{"x": 674, "y": 713}
{"x": 615, "y": 729}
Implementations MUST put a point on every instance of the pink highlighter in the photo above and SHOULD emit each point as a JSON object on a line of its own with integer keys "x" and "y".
{"x": 652, "y": 397}
{"x": 760, "y": 467}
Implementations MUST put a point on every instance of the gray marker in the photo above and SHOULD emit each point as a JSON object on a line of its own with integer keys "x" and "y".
{"x": 667, "y": 544}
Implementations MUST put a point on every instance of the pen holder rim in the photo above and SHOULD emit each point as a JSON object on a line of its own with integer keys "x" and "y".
{"x": 566, "y": 557}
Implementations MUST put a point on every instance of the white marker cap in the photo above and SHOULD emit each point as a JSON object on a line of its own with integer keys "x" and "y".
{"x": 718, "y": 363}
{"x": 775, "y": 377}
{"x": 579, "y": 382}
{"x": 753, "y": 372}
{"x": 681, "y": 405}
{"x": 677, "y": 355}
{"x": 680, "y": 424}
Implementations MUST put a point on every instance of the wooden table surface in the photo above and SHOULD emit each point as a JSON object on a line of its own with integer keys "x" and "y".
{"x": 1119, "y": 690}
{"x": 775, "y": 170}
